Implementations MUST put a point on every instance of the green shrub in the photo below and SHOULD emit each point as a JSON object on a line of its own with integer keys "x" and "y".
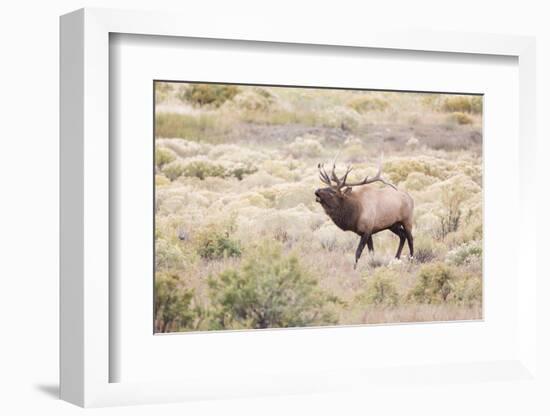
{"x": 213, "y": 242}
{"x": 173, "y": 170}
{"x": 270, "y": 290}
{"x": 163, "y": 156}
{"x": 209, "y": 94}
{"x": 466, "y": 253}
{"x": 434, "y": 284}
{"x": 468, "y": 291}
{"x": 381, "y": 289}
{"x": 240, "y": 171}
{"x": 173, "y": 310}
{"x": 203, "y": 169}
{"x": 365, "y": 103}
{"x": 462, "y": 104}
{"x": 460, "y": 118}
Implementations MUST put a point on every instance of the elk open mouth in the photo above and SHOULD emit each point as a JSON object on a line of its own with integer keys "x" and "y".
{"x": 318, "y": 197}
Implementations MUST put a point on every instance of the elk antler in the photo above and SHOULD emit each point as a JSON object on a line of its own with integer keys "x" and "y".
{"x": 375, "y": 178}
{"x": 323, "y": 175}
{"x": 341, "y": 182}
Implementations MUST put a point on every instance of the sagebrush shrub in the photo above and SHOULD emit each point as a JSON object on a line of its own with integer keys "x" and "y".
{"x": 241, "y": 170}
{"x": 184, "y": 148}
{"x": 466, "y": 253}
{"x": 468, "y": 291}
{"x": 168, "y": 255}
{"x": 209, "y": 94}
{"x": 330, "y": 239}
{"x": 202, "y": 169}
{"x": 306, "y": 146}
{"x": 417, "y": 181}
{"x": 285, "y": 170}
{"x": 236, "y": 154}
{"x": 381, "y": 288}
{"x": 398, "y": 170}
{"x": 460, "y": 118}
{"x": 341, "y": 117}
{"x": 354, "y": 152}
{"x": 365, "y": 103}
{"x": 257, "y": 99}
{"x": 269, "y": 290}
{"x": 434, "y": 284}
{"x": 163, "y": 156}
{"x": 173, "y": 170}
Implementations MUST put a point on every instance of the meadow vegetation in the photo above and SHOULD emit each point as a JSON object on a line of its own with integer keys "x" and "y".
{"x": 240, "y": 241}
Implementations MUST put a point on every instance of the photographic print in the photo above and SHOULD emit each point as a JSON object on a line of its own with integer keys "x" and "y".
{"x": 285, "y": 207}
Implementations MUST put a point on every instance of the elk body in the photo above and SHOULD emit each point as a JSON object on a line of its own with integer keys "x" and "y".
{"x": 366, "y": 209}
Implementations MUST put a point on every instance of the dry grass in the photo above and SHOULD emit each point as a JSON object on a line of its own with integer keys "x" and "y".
{"x": 421, "y": 313}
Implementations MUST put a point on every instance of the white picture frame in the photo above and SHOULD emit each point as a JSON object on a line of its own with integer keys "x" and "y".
{"x": 85, "y": 165}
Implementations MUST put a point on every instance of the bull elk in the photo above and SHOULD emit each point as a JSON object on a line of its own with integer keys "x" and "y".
{"x": 365, "y": 209}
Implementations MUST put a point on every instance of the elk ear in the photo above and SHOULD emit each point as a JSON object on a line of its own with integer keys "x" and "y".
{"x": 347, "y": 190}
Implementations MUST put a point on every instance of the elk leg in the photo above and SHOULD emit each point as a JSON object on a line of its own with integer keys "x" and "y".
{"x": 364, "y": 239}
{"x": 370, "y": 244}
{"x": 400, "y": 232}
{"x": 410, "y": 239}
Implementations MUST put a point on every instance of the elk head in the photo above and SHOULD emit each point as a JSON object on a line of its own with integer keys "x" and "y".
{"x": 339, "y": 190}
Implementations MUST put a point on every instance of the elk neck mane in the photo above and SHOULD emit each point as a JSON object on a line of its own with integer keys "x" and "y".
{"x": 346, "y": 214}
